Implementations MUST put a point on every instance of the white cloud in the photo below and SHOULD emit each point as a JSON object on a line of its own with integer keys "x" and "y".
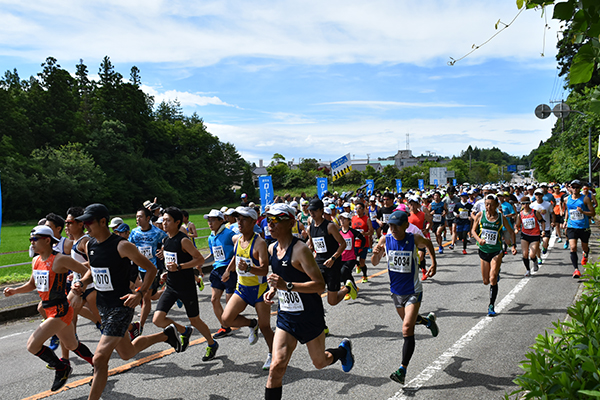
{"x": 186, "y": 99}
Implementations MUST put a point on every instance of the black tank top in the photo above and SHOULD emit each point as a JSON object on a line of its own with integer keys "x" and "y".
{"x": 324, "y": 243}
{"x": 178, "y": 280}
{"x": 111, "y": 272}
{"x": 313, "y": 305}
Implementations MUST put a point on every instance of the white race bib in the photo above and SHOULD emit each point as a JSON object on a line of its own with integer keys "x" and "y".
{"x": 237, "y": 266}
{"x": 218, "y": 253}
{"x": 146, "y": 251}
{"x": 528, "y": 223}
{"x": 102, "y": 280}
{"x": 170, "y": 257}
{"x": 451, "y": 207}
{"x": 267, "y": 230}
{"x": 576, "y": 215}
{"x": 348, "y": 243}
{"x": 437, "y": 217}
{"x": 320, "y": 245}
{"x": 372, "y": 215}
{"x": 399, "y": 261}
{"x": 490, "y": 236}
{"x": 464, "y": 214}
{"x": 290, "y": 301}
{"x": 386, "y": 218}
{"x": 41, "y": 280}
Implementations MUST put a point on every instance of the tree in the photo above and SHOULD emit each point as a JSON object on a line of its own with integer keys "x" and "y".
{"x": 277, "y": 158}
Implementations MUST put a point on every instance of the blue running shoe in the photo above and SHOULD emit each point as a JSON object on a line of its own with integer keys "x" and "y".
{"x": 348, "y": 361}
{"x": 491, "y": 312}
{"x": 441, "y": 250}
{"x": 566, "y": 245}
{"x": 54, "y": 343}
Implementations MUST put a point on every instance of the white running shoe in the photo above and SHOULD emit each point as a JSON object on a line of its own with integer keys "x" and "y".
{"x": 267, "y": 364}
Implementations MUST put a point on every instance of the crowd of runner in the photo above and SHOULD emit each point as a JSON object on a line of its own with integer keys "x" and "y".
{"x": 292, "y": 251}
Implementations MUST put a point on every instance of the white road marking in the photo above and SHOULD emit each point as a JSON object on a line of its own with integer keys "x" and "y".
{"x": 446, "y": 356}
{"x": 16, "y": 334}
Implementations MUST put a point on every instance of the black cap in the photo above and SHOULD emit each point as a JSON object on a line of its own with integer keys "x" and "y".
{"x": 398, "y": 218}
{"x": 315, "y": 204}
{"x": 94, "y": 211}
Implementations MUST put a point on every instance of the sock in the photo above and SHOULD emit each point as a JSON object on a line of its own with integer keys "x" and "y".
{"x": 85, "y": 353}
{"x": 50, "y": 358}
{"x": 422, "y": 264}
{"x": 213, "y": 345}
{"x": 337, "y": 353}
{"x": 493, "y": 293}
{"x": 574, "y": 259}
{"x": 364, "y": 270}
{"x": 526, "y": 262}
{"x": 465, "y": 243}
{"x": 253, "y": 323}
{"x": 273, "y": 393}
{"x": 421, "y": 320}
{"x": 408, "y": 349}
{"x": 534, "y": 260}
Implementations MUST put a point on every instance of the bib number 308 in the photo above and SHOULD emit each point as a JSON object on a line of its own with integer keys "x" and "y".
{"x": 290, "y": 301}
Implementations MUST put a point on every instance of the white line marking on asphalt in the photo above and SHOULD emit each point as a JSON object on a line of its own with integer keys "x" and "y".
{"x": 15, "y": 334}
{"x": 415, "y": 384}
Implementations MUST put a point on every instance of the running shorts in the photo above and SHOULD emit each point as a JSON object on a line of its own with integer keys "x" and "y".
{"x": 216, "y": 282}
{"x": 581, "y": 234}
{"x": 488, "y": 257}
{"x": 115, "y": 320}
{"x": 407, "y": 299}
{"x": 189, "y": 300}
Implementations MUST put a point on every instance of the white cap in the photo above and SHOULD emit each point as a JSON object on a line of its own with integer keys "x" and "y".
{"x": 345, "y": 215}
{"x": 530, "y": 187}
{"x": 372, "y": 198}
{"x": 224, "y": 209}
{"x": 294, "y": 204}
{"x": 229, "y": 211}
{"x": 538, "y": 191}
{"x": 245, "y": 212}
{"x": 280, "y": 208}
{"x": 327, "y": 210}
{"x": 346, "y": 204}
{"x": 214, "y": 214}
{"x": 416, "y": 199}
{"x": 159, "y": 220}
{"x": 43, "y": 230}
{"x": 116, "y": 221}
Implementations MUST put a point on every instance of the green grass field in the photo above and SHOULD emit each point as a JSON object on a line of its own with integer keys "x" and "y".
{"x": 15, "y": 237}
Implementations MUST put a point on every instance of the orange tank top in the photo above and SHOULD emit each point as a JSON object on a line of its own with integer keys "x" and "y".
{"x": 417, "y": 219}
{"x": 51, "y": 287}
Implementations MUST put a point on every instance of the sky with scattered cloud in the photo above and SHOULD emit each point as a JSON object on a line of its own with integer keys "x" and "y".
{"x": 312, "y": 78}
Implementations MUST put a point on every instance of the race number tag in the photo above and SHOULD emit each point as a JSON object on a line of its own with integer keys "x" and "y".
{"x": 386, "y": 218}
{"x": 267, "y": 230}
{"x": 490, "y": 236}
{"x": 529, "y": 223}
{"x": 41, "y": 280}
{"x": 320, "y": 245}
{"x": 102, "y": 280}
{"x": 289, "y": 301}
{"x": 146, "y": 251}
{"x": 170, "y": 257}
{"x": 576, "y": 215}
{"x": 464, "y": 214}
{"x": 248, "y": 261}
{"x": 218, "y": 253}
{"x": 348, "y": 243}
{"x": 372, "y": 215}
{"x": 451, "y": 207}
{"x": 399, "y": 261}
{"x": 437, "y": 217}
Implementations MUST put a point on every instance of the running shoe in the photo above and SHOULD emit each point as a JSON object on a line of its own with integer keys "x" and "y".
{"x": 353, "y": 292}
{"x": 358, "y": 269}
{"x": 348, "y": 361}
{"x": 576, "y": 274}
{"x": 54, "y": 343}
{"x": 211, "y": 352}
{"x": 540, "y": 261}
{"x": 100, "y": 327}
{"x": 399, "y": 375}
{"x": 64, "y": 361}
{"x": 424, "y": 274}
{"x": 201, "y": 285}
{"x": 347, "y": 296}
{"x": 173, "y": 337}
{"x": 253, "y": 336}
{"x": 135, "y": 330}
{"x": 451, "y": 247}
{"x": 185, "y": 337}
{"x": 544, "y": 250}
{"x": 527, "y": 273}
{"x": 267, "y": 364}
{"x": 535, "y": 267}
{"x": 491, "y": 311}
{"x": 566, "y": 245}
{"x": 440, "y": 250}
{"x": 364, "y": 279}
{"x": 222, "y": 333}
{"x": 559, "y": 240}
{"x": 464, "y": 252}
{"x": 60, "y": 377}
{"x": 432, "y": 325}
{"x": 326, "y": 330}
{"x": 179, "y": 303}
{"x": 584, "y": 259}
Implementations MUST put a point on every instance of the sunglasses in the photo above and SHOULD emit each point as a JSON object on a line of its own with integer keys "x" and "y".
{"x": 525, "y": 202}
{"x": 35, "y": 238}
{"x": 88, "y": 223}
{"x": 277, "y": 219}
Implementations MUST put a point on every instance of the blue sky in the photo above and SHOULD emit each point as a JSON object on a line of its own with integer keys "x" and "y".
{"x": 314, "y": 78}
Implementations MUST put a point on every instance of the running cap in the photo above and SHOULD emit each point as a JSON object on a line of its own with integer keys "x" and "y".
{"x": 345, "y": 215}
{"x": 281, "y": 209}
{"x": 214, "y": 214}
{"x": 224, "y": 209}
{"x": 346, "y": 204}
{"x": 253, "y": 204}
{"x": 116, "y": 221}
{"x": 294, "y": 204}
{"x": 491, "y": 197}
{"x": 245, "y": 212}
{"x": 507, "y": 194}
{"x": 525, "y": 200}
{"x": 398, "y": 218}
{"x": 414, "y": 199}
{"x": 122, "y": 228}
{"x": 372, "y": 198}
{"x": 303, "y": 201}
{"x": 154, "y": 206}
{"x": 43, "y": 230}
{"x": 315, "y": 204}
{"x": 543, "y": 184}
{"x": 332, "y": 206}
{"x": 327, "y": 210}
{"x": 530, "y": 187}
{"x": 94, "y": 211}
{"x": 147, "y": 203}
{"x": 402, "y": 207}
{"x": 243, "y": 196}
{"x": 486, "y": 187}
{"x": 229, "y": 211}
{"x": 538, "y": 191}
{"x": 464, "y": 194}
{"x": 576, "y": 182}
{"x": 159, "y": 220}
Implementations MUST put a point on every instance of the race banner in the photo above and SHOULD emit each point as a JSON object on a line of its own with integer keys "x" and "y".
{"x": 398, "y": 185}
{"x": 453, "y": 182}
{"x": 421, "y": 184}
{"x": 321, "y": 186}
{"x": 370, "y": 186}
{"x": 266, "y": 191}
{"x": 341, "y": 167}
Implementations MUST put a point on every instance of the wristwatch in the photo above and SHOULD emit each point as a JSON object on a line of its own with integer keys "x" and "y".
{"x": 289, "y": 286}
{"x": 178, "y": 267}
{"x": 248, "y": 268}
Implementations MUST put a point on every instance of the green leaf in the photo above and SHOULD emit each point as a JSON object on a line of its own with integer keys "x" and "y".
{"x": 563, "y": 11}
{"x": 583, "y": 65}
{"x": 520, "y": 4}
{"x": 593, "y": 393}
{"x": 595, "y": 102}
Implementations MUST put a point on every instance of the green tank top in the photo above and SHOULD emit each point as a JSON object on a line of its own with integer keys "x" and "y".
{"x": 492, "y": 233}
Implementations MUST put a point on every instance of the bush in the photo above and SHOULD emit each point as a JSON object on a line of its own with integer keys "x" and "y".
{"x": 566, "y": 363}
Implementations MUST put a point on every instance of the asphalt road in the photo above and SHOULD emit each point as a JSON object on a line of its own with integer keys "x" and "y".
{"x": 474, "y": 356}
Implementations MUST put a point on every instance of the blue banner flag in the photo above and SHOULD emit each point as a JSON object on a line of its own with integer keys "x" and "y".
{"x": 421, "y": 184}
{"x": 321, "y": 186}
{"x": 398, "y": 185}
{"x": 370, "y": 186}
{"x": 435, "y": 182}
{"x": 453, "y": 182}
{"x": 266, "y": 191}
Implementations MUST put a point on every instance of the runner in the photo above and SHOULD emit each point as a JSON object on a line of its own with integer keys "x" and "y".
{"x": 439, "y": 210}
{"x": 528, "y": 220}
{"x": 220, "y": 242}
{"x": 421, "y": 218}
{"x": 109, "y": 257}
{"x": 188, "y": 227}
{"x": 300, "y": 316}
{"x": 362, "y": 223}
{"x": 251, "y": 263}
{"x": 509, "y": 212}
{"x": 373, "y": 208}
{"x": 578, "y": 213}
{"x": 49, "y": 278}
{"x": 462, "y": 212}
{"x": 304, "y": 214}
{"x": 400, "y": 248}
{"x": 451, "y": 200}
{"x": 545, "y": 209}
{"x": 385, "y": 211}
{"x": 558, "y": 211}
{"x": 351, "y": 237}
{"x": 487, "y": 228}
{"x": 147, "y": 238}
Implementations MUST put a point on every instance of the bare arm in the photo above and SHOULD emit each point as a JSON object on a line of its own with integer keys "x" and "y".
{"x": 378, "y": 251}
{"x": 421, "y": 242}
{"x": 302, "y": 260}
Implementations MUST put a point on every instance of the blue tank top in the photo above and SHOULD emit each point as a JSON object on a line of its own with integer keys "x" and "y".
{"x": 577, "y": 219}
{"x": 221, "y": 247}
{"x": 403, "y": 260}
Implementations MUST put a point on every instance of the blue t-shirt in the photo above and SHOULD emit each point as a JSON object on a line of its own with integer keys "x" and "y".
{"x": 221, "y": 247}
{"x": 507, "y": 209}
{"x": 265, "y": 229}
{"x": 147, "y": 242}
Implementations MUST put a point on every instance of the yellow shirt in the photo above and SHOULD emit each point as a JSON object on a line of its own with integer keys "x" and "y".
{"x": 248, "y": 278}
